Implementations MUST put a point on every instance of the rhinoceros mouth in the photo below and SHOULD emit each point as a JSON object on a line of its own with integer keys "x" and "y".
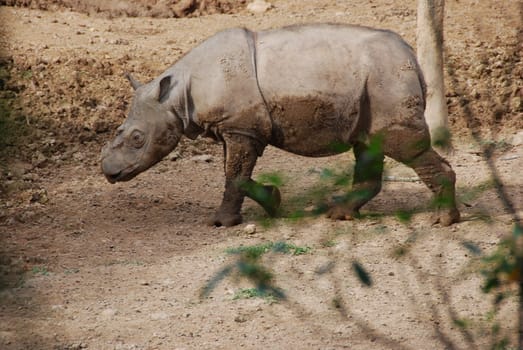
{"x": 113, "y": 178}
{"x": 122, "y": 175}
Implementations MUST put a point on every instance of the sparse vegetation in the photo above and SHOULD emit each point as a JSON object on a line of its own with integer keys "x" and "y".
{"x": 40, "y": 270}
{"x": 250, "y": 293}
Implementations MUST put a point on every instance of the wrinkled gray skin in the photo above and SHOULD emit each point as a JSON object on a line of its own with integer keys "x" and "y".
{"x": 304, "y": 89}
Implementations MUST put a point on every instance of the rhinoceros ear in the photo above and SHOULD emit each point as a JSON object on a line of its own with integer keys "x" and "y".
{"x": 134, "y": 83}
{"x": 165, "y": 88}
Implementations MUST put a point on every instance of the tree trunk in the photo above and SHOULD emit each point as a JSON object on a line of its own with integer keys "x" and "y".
{"x": 430, "y": 56}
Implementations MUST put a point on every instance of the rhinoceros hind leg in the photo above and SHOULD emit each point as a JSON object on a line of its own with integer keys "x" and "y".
{"x": 437, "y": 174}
{"x": 366, "y": 183}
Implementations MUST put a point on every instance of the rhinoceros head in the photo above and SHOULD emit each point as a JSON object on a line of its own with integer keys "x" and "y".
{"x": 151, "y": 130}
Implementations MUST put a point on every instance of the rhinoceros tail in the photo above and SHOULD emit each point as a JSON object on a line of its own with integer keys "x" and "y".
{"x": 423, "y": 84}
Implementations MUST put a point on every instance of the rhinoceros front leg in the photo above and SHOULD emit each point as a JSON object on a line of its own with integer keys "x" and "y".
{"x": 240, "y": 157}
{"x": 366, "y": 183}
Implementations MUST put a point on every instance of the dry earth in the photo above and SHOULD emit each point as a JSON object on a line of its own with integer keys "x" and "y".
{"x": 86, "y": 264}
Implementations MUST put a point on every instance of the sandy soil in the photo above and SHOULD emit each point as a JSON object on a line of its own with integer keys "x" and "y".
{"x": 86, "y": 264}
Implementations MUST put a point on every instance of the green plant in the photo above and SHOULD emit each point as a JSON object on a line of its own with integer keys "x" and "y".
{"x": 502, "y": 273}
{"x": 248, "y": 265}
{"x": 329, "y": 243}
{"x": 256, "y": 251}
{"x": 503, "y": 267}
{"x": 40, "y": 270}
{"x": 250, "y": 293}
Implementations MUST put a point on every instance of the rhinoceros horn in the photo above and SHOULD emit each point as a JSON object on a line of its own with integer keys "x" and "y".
{"x": 134, "y": 83}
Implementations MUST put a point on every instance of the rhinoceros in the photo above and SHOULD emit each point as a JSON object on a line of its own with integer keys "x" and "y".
{"x": 306, "y": 89}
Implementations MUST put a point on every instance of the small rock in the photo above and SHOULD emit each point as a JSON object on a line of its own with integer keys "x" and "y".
{"x": 39, "y": 160}
{"x": 119, "y": 41}
{"x": 25, "y": 216}
{"x": 109, "y": 313}
{"x": 259, "y": 6}
{"x": 39, "y": 196}
{"x": 250, "y": 229}
{"x": 79, "y": 156}
{"x": 517, "y": 140}
{"x": 174, "y": 156}
{"x": 30, "y": 177}
{"x": 310, "y": 208}
{"x": 240, "y": 319}
{"x": 516, "y": 103}
{"x": 159, "y": 316}
{"x": 202, "y": 158}
{"x": 19, "y": 169}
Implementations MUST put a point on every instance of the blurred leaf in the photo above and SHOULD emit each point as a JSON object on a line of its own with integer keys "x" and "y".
{"x": 441, "y": 137}
{"x": 340, "y": 147}
{"x": 490, "y": 284}
{"x": 296, "y": 215}
{"x": 326, "y": 173}
{"x": 404, "y": 216}
{"x": 283, "y": 247}
{"x": 217, "y": 278}
{"x": 375, "y": 146}
{"x": 499, "y": 298}
{"x": 362, "y": 274}
{"x": 471, "y": 247}
{"x": 461, "y": 323}
{"x": 401, "y": 250}
{"x": 274, "y": 179}
{"x": 255, "y": 272}
{"x": 518, "y": 230}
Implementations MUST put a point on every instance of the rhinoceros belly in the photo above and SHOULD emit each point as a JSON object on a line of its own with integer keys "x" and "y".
{"x": 312, "y": 79}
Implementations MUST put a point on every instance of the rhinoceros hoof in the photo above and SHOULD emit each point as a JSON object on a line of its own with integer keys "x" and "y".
{"x": 225, "y": 219}
{"x": 339, "y": 212}
{"x": 446, "y": 217}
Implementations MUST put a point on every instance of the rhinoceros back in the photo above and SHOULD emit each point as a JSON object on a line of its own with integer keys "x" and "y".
{"x": 315, "y": 80}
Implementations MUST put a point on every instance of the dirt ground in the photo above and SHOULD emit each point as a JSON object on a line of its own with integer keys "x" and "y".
{"x": 86, "y": 264}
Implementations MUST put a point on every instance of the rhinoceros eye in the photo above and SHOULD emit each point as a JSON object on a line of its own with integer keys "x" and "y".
{"x": 137, "y": 139}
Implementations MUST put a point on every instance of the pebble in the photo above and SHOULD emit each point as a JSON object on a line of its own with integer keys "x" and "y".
{"x": 259, "y": 6}
{"x": 159, "y": 316}
{"x": 30, "y": 177}
{"x": 39, "y": 196}
{"x": 240, "y": 319}
{"x": 202, "y": 158}
{"x": 250, "y": 229}
{"x": 109, "y": 313}
{"x": 517, "y": 139}
{"x": 39, "y": 160}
